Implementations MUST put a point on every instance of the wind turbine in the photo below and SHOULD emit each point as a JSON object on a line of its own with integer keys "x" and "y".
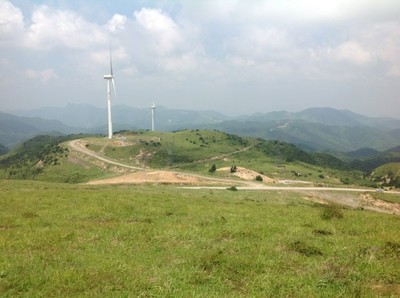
{"x": 110, "y": 80}
{"x": 153, "y": 112}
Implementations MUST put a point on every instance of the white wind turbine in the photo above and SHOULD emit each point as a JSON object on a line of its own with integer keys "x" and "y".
{"x": 153, "y": 112}
{"x": 110, "y": 81}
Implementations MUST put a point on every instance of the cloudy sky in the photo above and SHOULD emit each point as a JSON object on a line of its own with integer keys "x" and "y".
{"x": 232, "y": 56}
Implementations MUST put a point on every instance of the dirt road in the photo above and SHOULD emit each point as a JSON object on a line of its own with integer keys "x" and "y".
{"x": 79, "y": 146}
{"x": 351, "y": 197}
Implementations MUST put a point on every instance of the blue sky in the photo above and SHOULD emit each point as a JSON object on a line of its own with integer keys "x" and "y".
{"x": 236, "y": 57}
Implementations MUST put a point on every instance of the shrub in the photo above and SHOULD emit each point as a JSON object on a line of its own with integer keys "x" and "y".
{"x": 259, "y": 178}
{"x": 332, "y": 211}
{"x": 212, "y": 169}
{"x": 305, "y": 249}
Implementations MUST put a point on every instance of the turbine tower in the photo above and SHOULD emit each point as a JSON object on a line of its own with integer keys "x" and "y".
{"x": 153, "y": 111}
{"x": 110, "y": 81}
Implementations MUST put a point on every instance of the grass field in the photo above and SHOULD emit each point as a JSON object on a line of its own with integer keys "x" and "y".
{"x": 62, "y": 240}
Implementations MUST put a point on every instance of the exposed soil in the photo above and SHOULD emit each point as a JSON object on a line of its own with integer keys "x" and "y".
{"x": 163, "y": 177}
{"x": 369, "y": 202}
{"x": 246, "y": 174}
{"x": 353, "y": 200}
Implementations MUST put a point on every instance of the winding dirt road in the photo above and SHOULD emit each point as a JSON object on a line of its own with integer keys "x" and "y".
{"x": 351, "y": 197}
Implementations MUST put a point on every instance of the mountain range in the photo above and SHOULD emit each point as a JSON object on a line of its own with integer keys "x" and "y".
{"x": 314, "y": 129}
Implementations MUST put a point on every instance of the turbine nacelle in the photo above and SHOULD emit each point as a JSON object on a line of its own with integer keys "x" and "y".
{"x": 108, "y": 77}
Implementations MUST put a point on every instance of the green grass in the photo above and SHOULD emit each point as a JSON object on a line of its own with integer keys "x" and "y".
{"x": 76, "y": 240}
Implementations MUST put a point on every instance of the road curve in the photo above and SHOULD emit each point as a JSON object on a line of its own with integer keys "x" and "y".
{"x": 75, "y": 145}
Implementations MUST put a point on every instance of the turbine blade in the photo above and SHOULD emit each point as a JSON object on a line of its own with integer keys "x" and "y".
{"x": 111, "y": 68}
{"x": 115, "y": 90}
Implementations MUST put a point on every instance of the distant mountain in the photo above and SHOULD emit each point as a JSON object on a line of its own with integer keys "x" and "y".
{"x": 362, "y": 153}
{"x": 313, "y": 136}
{"x": 314, "y": 129}
{"x": 14, "y": 129}
{"x": 327, "y": 116}
{"x": 391, "y": 155}
{"x": 124, "y": 117}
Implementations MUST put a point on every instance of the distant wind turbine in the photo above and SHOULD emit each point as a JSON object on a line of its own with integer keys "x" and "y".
{"x": 110, "y": 81}
{"x": 153, "y": 112}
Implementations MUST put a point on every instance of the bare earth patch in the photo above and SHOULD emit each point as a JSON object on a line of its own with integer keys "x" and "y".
{"x": 369, "y": 202}
{"x": 246, "y": 174}
{"x": 364, "y": 200}
{"x": 151, "y": 177}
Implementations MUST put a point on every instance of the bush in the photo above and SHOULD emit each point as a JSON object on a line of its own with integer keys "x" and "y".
{"x": 259, "y": 178}
{"x": 232, "y": 188}
{"x": 332, "y": 211}
{"x": 212, "y": 169}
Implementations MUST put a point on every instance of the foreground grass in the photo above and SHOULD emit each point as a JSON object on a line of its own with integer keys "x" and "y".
{"x": 66, "y": 240}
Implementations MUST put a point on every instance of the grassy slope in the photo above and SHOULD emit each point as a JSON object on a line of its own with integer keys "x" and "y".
{"x": 70, "y": 240}
{"x": 193, "y": 151}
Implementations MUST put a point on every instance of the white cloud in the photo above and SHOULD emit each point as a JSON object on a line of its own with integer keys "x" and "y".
{"x": 11, "y": 23}
{"x": 160, "y": 29}
{"x": 58, "y": 28}
{"x": 117, "y": 23}
{"x": 353, "y": 52}
{"x": 42, "y": 75}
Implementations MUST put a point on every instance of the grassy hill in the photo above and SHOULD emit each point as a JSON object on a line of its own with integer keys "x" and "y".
{"x": 44, "y": 158}
{"x": 68, "y": 240}
{"x": 387, "y": 174}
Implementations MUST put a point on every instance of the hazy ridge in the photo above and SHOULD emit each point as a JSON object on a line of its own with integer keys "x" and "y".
{"x": 314, "y": 129}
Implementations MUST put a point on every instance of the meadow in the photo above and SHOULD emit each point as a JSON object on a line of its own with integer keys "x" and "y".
{"x": 69, "y": 240}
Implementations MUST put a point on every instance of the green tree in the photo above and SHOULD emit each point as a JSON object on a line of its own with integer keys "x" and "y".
{"x": 212, "y": 169}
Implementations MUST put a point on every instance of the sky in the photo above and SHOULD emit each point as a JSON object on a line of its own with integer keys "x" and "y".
{"x": 232, "y": 56}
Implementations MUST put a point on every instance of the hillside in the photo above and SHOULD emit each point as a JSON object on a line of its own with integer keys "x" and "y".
{"x": 313, "y": 136}
{"x": 368, "y": 164}
{"x": 196, "y": 151}
{"x": 387, "y": 175}
{"x": 15, "y": 129}
{"x": 328, "y": 116}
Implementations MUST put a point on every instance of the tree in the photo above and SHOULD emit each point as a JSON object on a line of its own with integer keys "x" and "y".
{"x": 212, "y": 169}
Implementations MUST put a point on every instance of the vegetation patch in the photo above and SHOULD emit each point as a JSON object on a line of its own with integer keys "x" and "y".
{"x": 305, "y": 249}
{"x": 322, "y": 232}
{"x": 332, "y": 211}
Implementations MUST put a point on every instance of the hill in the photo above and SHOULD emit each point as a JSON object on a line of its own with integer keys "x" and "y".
{"x": 328, "y": 116}
{"x": 387, "y": 175}
{"x": 15, "y": 129}
{"x": 45, "y": 158}
{"x": 370, "y": 163}
{"x": 313, "y": 136}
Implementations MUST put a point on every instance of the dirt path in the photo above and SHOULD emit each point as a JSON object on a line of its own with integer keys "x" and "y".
{"x": 79, "y": 146}
{"x": 351, "y": 197}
